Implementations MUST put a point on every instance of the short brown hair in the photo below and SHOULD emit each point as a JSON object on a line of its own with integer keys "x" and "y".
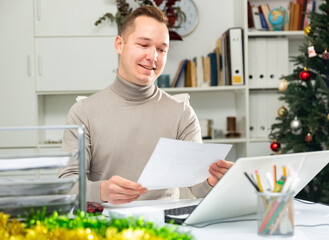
{"x": 149, "y": 11}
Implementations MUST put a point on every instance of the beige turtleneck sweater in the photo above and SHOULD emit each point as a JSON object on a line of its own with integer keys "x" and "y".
{"x": 123, "y": 125}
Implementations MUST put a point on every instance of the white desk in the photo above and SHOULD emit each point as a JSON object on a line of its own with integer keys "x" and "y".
{"x": 305, "y": 214}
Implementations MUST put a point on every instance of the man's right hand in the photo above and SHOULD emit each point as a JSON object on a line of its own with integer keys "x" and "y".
{"x": 118, "y": 190}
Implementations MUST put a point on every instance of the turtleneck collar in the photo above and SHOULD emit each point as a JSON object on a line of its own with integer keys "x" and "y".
{"x": 132, "y": 92}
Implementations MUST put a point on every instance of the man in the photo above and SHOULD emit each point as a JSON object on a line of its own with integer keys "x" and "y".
{"x": 125, "y": 121}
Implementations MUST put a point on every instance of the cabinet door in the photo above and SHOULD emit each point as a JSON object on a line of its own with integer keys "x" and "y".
{"x": 73, "y": 17}
{"x": 18, "y": 103}
{"x": 75, "y": 64}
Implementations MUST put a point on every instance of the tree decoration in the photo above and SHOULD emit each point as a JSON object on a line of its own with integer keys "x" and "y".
{"x": 325, "y": 55}
{"x": 282, "y": 111}
{"x": 311, "y": 52}
{"x": 295, "y": 126}
{"x": 307, "y": 29}
{"x": 304, "y": 75}
{"x": 283, "y": 85}
{"x": 275, "y": 146}
{"x": 308, "y": 137}
{"x": 328, "y": 116}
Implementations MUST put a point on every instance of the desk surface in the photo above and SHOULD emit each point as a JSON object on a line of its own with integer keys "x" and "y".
{"x": 304, "y": 214}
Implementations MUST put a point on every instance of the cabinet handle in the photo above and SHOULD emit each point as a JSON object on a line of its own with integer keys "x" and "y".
{"x": 29, "y": 70}
{"x": 40, "y": 65}
{"x": 39, "y": 10}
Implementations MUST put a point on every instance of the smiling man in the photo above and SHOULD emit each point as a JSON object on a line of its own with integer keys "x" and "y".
{"x": 125, "y": 121}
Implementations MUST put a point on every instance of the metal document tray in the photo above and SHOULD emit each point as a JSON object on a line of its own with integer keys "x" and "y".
{"x": 30, "y": 187}
{"x": 18, "y": 206}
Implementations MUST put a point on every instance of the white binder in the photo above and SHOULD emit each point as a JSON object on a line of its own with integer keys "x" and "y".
{"x": 277, "y": 60}
{"x": 235, "y": 49}
{"x": 252, "y": 48}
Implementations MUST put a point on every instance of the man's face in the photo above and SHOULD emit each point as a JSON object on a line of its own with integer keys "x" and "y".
{"x": 143, "y": 51}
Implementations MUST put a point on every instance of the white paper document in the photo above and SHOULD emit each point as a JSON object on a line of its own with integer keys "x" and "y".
{"x": 176, "y": 163}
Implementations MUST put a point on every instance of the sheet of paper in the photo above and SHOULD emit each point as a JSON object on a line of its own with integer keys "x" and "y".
{"x": 176, "y": 163}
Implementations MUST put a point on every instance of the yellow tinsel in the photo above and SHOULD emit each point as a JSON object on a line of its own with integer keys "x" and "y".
{"x": 14, "y": 230}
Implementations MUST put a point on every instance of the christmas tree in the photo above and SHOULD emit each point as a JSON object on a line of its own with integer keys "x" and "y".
{"x": 303, "y": 121}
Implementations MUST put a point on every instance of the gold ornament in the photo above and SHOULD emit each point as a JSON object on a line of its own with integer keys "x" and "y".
{"x": 307, "y": 29}
{"x": 328, "y": 116}
{"x": 283, "y": 85}
{"x": 282, "y": 111}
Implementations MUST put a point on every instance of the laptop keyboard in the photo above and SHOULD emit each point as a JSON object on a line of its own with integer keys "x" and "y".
{"x": 178, "y": 215}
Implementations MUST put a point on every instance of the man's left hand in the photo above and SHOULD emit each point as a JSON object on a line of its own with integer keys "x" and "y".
{"x": 217, "y": 171}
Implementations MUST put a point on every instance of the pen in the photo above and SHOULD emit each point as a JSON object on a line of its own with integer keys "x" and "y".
{"x": 284, "y": 171}
{"x": 252, "y": 182}
{"x": 274, "y": 175}
{"x": 259, "y": 183}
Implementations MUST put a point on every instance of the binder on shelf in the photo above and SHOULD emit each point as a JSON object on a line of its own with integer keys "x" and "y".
{"x": 252, "y": 49}
{"x": 179, "y": 73}
{"x": 260, "y": 62}
{"x": 277, "y": 61}
{"x": 219, "y": 62}
{"x": 235, "y": 56}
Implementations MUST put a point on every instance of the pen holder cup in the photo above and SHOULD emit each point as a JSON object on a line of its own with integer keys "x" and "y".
{"x": 275, "y": 214}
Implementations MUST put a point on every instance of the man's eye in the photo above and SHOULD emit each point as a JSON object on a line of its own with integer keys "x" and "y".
{"x": 143, "y": 45}
{"x": 162, "y": 50}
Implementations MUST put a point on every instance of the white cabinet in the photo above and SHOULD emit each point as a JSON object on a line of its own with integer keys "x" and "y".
{"x": 73, "y": 17}
{"x": 18, "y": 102}
{"x": 74, "y": 64}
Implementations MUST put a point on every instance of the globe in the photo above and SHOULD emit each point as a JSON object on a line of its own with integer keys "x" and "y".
{"x": 278, "y": 17}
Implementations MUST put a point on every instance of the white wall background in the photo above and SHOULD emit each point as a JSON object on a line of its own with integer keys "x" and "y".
{"x": 216, "y": 16}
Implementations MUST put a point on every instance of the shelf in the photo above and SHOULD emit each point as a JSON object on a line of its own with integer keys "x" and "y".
{"x": 226, "y": 140}
{"x": 289, "y": 34}
{"x": 261, "y": 139}
{"x": 204, "y": 89}
{"x": 263, "y": 87}
{"x": 76, "y": 92}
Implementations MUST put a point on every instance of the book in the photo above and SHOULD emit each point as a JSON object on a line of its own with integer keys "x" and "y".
{"x": 262, "y": 19}
{"x": 179, "y": 73}
{"x": 300, "y": 14}
{"x": 309, "y": 8}
{"x": 188, "y": 74}
{"x": 256, "y": 17}
{"x": 266, "y": 11}
{"x": 250, "y": 18}
{"x": 193, "y": 74}
{"x": 199, "y": 70}
{"x": 219, "y": 61}
{"x": 206, "y": 71}
{"x": 296, "y": 17}
{"x": 213, "y": 69}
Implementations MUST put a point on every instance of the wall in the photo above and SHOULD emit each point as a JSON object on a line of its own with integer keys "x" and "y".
{"x": 214, "y": 20}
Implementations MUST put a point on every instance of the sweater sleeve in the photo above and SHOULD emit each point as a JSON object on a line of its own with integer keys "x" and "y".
{"x": 77, "y": 116}
{"x": 191, "y": 131}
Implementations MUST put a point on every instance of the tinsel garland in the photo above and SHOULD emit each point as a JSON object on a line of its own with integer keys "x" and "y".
{"x": 84, "y": 227}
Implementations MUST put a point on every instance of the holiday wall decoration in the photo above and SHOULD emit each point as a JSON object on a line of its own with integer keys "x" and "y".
{"x": 305, "y": 126}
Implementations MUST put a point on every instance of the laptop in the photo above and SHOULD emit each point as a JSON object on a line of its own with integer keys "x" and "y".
{"x": 234, "y": 196}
